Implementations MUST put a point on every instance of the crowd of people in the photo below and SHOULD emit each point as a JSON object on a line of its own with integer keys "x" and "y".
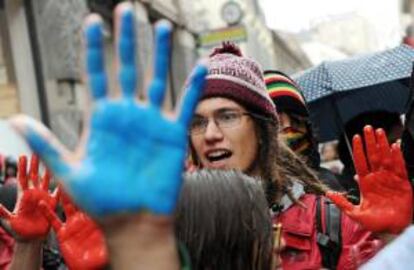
{"x": 230, "y": 180}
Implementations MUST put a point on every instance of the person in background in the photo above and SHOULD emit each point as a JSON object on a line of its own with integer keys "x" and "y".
{"x": 235, "y": 126}
{"x": 329, "y": 152}
{"x": 295, "y": 126}
{"x": 10, "y": 170}
{"x": 330, "y": 158}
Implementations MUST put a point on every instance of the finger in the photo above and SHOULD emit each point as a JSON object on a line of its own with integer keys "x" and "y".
{"x": 372, "y": 149}
{"x": 95, "y": 62}
{"x": 56, "y": 195}
{"x": 384, "y": 149}
{"x": 42, "y": 142}
{"x": 360, "y": 161}
{"x": 341, "y": 201}
{"x": 68, "y": 206}
{"x": 46, "y": 180}
{"x": 163, "y": 31}
{"x": 192, "y": 94}
{"x": 4, "y": 213}
{"x": 398, "y": 161}
{"x": 50, "y": 215}
{"x": 22, "y": 172}
{"x": 34, "y": 170}
{"x": 126, "y": 48}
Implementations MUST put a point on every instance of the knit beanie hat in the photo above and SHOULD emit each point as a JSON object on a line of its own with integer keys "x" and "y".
{"x": 285, "y": 93}
{"x": 232, "y": 76}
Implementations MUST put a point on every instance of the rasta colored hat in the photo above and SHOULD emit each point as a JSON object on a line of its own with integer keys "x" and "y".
{"x": 285, "y": 93}
{"x": 232, "y": 76}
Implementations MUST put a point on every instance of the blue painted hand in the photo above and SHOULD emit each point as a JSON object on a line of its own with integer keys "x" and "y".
{"x": 133, "y": 155}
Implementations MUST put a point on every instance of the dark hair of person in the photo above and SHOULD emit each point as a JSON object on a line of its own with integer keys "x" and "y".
{"x": 223, "y": 219}
{"x": 280, "y": 166}
{"x": 10, "y": 167}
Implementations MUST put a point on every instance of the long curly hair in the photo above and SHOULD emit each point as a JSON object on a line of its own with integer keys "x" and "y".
{"x": 280, "y": 166}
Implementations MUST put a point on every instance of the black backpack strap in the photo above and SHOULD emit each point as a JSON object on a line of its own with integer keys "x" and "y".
{"x": 328, "y": 236}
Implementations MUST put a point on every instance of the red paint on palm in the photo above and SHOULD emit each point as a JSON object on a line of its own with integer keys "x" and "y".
{"x": 81, "y": 241}
{"x": 27, "y": 220}
{"x": 386, "y": 196}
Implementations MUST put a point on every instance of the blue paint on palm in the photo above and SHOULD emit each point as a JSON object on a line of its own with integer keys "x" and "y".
{"x": 134, "y": 155}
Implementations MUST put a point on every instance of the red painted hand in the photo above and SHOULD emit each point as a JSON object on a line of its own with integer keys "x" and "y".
{"x": 27, "y": 220}
{"x": 81, "y": 242}
{"x": 386, "y": 194}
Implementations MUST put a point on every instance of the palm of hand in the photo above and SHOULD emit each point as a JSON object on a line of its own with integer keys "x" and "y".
{"x": 82, "y": 243}
{"x": 28, "y": 220}
{"x": 136, "y": 143}
{"x": 386, "y": 194}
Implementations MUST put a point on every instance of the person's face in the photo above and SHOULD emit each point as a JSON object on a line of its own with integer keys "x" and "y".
{"x": 228, "y": 139}
{"x": 286, "y": 121}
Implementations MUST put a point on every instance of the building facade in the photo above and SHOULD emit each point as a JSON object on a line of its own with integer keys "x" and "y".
{"x": 41, "y": 65}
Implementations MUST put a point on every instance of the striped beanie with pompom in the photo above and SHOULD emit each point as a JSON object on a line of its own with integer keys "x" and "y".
{"x": 233, "y": 76}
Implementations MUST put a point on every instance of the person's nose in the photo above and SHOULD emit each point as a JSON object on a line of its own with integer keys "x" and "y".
{"x": 284, "y": 120}
{"x": 213, "y": 132}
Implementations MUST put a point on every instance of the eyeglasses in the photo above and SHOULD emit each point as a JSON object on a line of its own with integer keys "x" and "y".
{"x": 222, "y": 119}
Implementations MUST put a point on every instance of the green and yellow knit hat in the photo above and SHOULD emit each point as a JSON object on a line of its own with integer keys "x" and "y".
{"x": 285, "y": 93}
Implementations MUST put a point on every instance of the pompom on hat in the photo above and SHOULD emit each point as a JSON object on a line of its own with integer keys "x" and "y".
{"x": 233, "y": 76}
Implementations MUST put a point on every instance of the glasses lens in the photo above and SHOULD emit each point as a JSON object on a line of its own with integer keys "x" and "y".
{"x": 228, "y": 118}
{"x": 197, "y": 125}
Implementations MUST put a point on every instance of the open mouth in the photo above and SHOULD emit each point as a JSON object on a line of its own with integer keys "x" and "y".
{"x": 218, "y": 155}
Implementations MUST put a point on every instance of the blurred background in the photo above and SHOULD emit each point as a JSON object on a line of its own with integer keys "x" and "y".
{"x": 41, "y": 56}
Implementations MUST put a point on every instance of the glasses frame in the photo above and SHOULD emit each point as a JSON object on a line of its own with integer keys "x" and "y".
{"x": 253, "y": 115}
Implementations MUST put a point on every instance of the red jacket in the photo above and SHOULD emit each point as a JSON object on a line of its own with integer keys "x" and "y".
{"x": 6, "y": 249}
{"x": 302, "y": 250}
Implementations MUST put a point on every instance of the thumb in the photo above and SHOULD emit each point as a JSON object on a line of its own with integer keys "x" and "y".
{"x": 341, "y": 201}
{"x": 4, "y": 213}
{"x": 50, "y": 215}
{"x": 43, "y": 143}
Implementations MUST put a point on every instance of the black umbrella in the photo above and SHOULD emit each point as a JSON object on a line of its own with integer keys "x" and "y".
{"x": 337, "y": 91}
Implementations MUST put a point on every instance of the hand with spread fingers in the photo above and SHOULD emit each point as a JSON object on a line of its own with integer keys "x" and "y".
{"x": 27, "y": 221}
{"x": 134, "y": 155}
{"x": 80, "y": 240}
{"x": 386, "y": 195}
{"x": 127, "y": 173}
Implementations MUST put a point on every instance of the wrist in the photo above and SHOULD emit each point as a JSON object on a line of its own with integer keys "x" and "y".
{"x": 142, "y": 226}
{"x": 144, "y": 239}
{"x": 27, "y": 255}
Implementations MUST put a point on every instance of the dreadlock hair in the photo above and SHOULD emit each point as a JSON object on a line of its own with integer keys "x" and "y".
{"x": 280, "y": 167}
{"x": 223, "y": 219}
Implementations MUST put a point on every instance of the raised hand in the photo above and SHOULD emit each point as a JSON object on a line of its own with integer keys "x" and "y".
{"x": 134, "y": 155}
{"x": 80, "y": 240}
{"x": 386, "y": 195}
{"x": 27, "y": 220}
